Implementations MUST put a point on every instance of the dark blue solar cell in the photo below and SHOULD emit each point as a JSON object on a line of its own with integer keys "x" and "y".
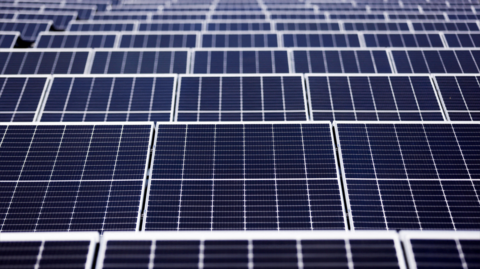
{"x": 118, "y": 17}
{"x": 20, "y": 98}
{"x": 158, "y": 41}
{"x": 403, "y": 40}
{"x": 76, "y": 41}
{"x": 100, "y": 27}
{"x": 28, "y": 30}
{"x": 460, "y": 95}
{"x": 433, "y": 61}
{"x": 240, "y": 26}
{"x": 60, "y": 21}
{"x": 245, "y": 95}
{"x": 376, "y": 26}
{"x": 8, "y": 40}
{"x": 128, "y": 99}
{"x": 139, "y": 62}
{"x": 304, "y": 26}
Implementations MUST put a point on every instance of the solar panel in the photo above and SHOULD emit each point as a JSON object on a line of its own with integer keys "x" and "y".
{"x": 459, "y": 95}
{"x": 356, "y": 16}
{"x": 307, "y": 26}
{"x": 182, "y": 16}
{"x": 8, "y": 39}
{"x": 238, "y": 16}
{"x": 13, "y": 7}
{"x": 20, "y": 97}
{"x": 417, "y": 16}
{"x": 462, "y": 40}
{"x": 84, "y": 12}
{"x": 296, "y": 16}
{"x": 73, "y": 177}
{"x": 28, "y": 30}
{"x": 47, "y": 250}
{"x": 136, "y": 8}
{"x": 7, "y": 14}
{"x": 403, "y": 40}
{"x": 239, "y": 61}
{"x": 58, "y": 61}
{"x": 244, "y": 176}
{"x": 60, "y": 19}
{"x": 251, "y": 250}
{"x": 373, "y": 98}
{"x": 445, "y": 26}
{"x": 239, "y": 40}
{"x": 410, "y": 175}
{"x": 140, "y": 61}
{"x": 175, "y": 25}
{"x": 375, "y": 26}
{"x": 436, "y": 61}
{"x": 241, "y": 98}
{"x": 101, "y": 26}
{"x": 434, "y": 249}
{"x": 76, "y": 40}
{"x": 462, "y": 16}
{"x": 340, "y": 61}
{"x": 316, "y": 39}
{"x": 239, "y": 26}
{"x": 109, "y": 98}
{"x": 127, "y": 16}
{"x": 158, "y": 40}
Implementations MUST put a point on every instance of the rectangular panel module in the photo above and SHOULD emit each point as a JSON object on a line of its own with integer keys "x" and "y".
{"x": 267, "y": 176}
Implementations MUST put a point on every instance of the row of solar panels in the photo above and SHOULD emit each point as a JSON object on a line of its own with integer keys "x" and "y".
{"x": 239, "y": 176}
{"x": 239, "y": 98}
{"x": 242, "y": 250}
{"x": 31, "y": 29}
{"x": 235, "y": 61}
{"x": 245, "y": 40}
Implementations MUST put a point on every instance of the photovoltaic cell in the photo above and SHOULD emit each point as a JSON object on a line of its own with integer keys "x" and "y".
{"x": 376, "y": 26}
{"x": 84, "y": 12}
{"x": 60, "y": 20}
{"x": 72, "y": 177}
{"x": 462, "y": 40}
{"x": 109, "y": 98}
{"x": 20, "y": 97}
{"x": 140, "y": 61}
{"x": 249, "y": 176}
{"x": 436, "y": 61}
{"x": 7, "y": 15}
{"x": 315, "y": 39}
{"x": 411, "y": 175}
{"x": 416, "y": 16}
{"x": 119, "y": 16}
{"x": 445, "y": 26}
{"x": 340, "y": 61}
{"x": 239, "y": 26}
{"x": 99, "y": 26}
{"x": 356, "y": 16}
{"x": 8, "y": 39}
{"x": 170, "y": 26}
{"x": 373, "y": 98}
{"x": 29, "y": 30}
{"x": 403, "y": 40}
{"x": 297, "y": 16}
{"x": 18, "y": 61}
{"x": 60, "y": 250}
{"x": 251, "y": 249}
{"x": 460, "y": 95}
{"x": 182, "y": 16}
{"x": 243, "y": 40}
{"x": 238, "y": 62}
{"x": 81, "y": 40}
{"x": 307, "y": 26}
{"x": 156, "y": 40}
{"x": 429, "y": 250}
{"x": 463, "y": 16}
{"x": 238, "y": 16}
{"x": 241, "y": 98}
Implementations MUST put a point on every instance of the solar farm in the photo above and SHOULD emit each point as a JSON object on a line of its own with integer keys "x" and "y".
{"x": 228, "y": 134}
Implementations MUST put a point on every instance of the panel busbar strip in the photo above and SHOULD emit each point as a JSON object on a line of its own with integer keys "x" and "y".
{"x": 373, "y": 98}
{"x": 244, "y": 250}
{"x": 241, "y": 98}
{"x": 418, "y": 176}
{"x": 73, "y": 177}
{"x": 274, "y": 176}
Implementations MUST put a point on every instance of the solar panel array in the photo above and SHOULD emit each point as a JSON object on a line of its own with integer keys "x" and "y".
{"x": 163, "y": 116}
